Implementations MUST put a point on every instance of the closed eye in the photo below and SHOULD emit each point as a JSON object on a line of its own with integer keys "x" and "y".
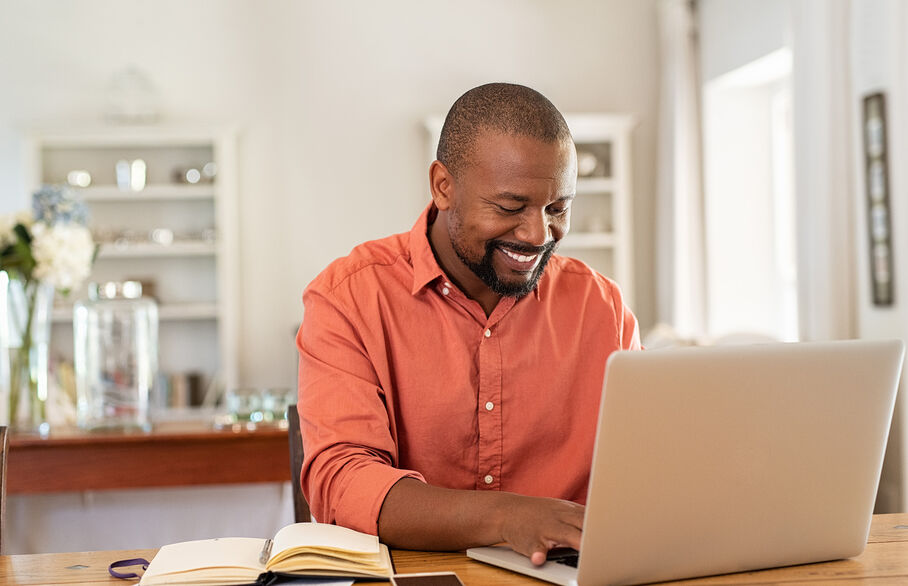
{"x": 508, "y": 210}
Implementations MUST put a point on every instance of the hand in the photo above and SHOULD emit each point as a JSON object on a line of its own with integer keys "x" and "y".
{"x": 420, "y": 516}
{"x": 532, "y": 526}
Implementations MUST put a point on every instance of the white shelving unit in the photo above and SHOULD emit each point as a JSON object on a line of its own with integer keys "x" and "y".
{"x": 195, "y": 276}
{"x": 602, "y": 213}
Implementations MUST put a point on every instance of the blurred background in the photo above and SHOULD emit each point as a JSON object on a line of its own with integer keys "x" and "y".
{"x": 756, "y": 209}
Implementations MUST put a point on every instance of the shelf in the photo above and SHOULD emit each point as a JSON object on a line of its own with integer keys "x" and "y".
{"x": 576, "y": 240}
{"x": 166, "y": 312}
{"x": 151, "y": 250}
{"x": 595, "y": 185}
{"x": 159, "y": 192}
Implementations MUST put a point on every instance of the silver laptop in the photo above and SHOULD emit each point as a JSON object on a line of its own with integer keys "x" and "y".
{"x": 726, "y": 459}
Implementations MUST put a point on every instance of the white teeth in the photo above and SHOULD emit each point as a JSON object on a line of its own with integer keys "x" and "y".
{"x": 519, "y": 257}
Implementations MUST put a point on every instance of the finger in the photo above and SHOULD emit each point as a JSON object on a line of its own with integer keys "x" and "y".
{"x": 576, "y": 515}
{"x": 570, "y": 538}
{"x": 538, "y": 557}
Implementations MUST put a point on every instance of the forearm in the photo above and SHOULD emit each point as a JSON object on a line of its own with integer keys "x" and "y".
{"x": 416, "y": 515}
{"x": 419, "y": 516}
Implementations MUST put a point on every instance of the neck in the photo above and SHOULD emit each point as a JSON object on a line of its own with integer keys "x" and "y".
{"x": 459, "y": 273}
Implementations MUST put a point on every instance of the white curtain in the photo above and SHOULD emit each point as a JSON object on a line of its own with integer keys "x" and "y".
{"x": 680, "y": 254}
{"x": 822, "y": 116}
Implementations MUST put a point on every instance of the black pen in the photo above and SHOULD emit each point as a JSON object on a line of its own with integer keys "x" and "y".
{"x": 266, "y": 551}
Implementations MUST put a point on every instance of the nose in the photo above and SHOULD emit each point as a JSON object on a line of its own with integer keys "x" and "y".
{"x": 535, "y": 228}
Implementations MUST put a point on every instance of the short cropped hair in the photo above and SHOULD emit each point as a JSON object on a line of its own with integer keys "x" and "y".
{"x": 507, "y": 108}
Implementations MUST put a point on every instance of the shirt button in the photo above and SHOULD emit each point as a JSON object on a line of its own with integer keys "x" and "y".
{"x": 488, "y": 479}
{"x": 447, "y": 284}
{"x": 487, "y": 333}
{"x": 489, "y": 406}
{"x": 445, "y": 291}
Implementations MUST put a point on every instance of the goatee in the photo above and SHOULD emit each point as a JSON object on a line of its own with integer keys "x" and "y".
{"x": 488, "y": 275}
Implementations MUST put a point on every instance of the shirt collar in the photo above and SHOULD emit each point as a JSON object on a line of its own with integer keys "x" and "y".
{"x": 425, "y": 266}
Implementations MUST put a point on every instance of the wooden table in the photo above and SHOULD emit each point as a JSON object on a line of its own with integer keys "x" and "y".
{"x": 885, "y": 561}
{"x": 178, "y": 454}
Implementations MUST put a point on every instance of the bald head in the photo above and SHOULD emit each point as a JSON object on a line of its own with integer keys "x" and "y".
{"x": 506, "y": 108}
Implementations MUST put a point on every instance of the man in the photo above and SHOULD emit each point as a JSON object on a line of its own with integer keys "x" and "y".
{"x": 450, "y": 376}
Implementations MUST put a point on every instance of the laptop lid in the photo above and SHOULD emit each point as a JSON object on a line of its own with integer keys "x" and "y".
{"x": 724, "y": 459}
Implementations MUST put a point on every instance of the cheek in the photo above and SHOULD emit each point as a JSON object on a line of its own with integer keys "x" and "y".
{"x": 466, "y": 234}
{"x": 561, "y": 226}
{"x": 483, "y": 227}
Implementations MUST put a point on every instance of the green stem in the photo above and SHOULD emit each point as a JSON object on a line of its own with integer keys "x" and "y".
{"x": 22, "y": 363}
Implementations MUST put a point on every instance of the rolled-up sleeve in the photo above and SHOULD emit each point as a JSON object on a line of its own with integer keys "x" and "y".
{"x": 349, "y": 442}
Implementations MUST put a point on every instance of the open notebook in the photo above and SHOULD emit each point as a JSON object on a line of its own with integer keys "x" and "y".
{"x": 301, "y": 549}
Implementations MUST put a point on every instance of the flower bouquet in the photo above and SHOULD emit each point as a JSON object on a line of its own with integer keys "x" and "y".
{"x": 42, "y": 250}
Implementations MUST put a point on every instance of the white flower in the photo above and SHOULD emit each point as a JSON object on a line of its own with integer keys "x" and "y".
{"x": 25, "y": 218}
{"x": 62, "y": 253}
{"x": 9, "y": 221}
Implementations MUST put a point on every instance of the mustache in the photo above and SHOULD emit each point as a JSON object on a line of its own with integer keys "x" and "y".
{"x": 521, "y": 247}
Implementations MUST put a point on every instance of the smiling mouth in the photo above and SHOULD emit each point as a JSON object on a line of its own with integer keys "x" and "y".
{"x": 522, "y": 258}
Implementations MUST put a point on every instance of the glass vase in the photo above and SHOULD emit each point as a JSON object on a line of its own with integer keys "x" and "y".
{"x": 116, "y": 356}
{"x": 25, "y": 324}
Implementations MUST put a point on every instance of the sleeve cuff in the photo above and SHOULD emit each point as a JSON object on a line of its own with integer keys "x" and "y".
{"x": 360, "y": 505}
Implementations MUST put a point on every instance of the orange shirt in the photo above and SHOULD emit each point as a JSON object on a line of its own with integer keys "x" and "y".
{"x": 402, "y": 375}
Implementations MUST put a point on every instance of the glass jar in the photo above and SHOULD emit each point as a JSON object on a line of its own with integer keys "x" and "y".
{"x": 116, "y": 356}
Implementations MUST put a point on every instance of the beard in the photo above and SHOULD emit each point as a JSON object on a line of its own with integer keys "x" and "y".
{"x": 483, "y": 268}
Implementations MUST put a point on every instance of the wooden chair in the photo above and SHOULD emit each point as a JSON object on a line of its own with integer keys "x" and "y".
{"x": 4, "y": 450}
{"x": 300, "y": 506}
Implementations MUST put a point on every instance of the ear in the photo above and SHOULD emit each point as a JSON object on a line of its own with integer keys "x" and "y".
{"x": 441, "y": 182}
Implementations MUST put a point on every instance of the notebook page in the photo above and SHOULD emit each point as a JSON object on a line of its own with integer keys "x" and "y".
{"x": 323, "y": 535}
{"x": 228, "y": 552}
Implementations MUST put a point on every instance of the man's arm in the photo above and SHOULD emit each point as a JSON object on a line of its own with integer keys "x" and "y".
{"x": 351, "y": 475}
{"x": 416, "y": 515}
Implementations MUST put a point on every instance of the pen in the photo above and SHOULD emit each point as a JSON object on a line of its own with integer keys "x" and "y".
{"x": 266, "y": 551}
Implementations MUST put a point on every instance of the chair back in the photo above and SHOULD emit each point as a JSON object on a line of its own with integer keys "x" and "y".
{"x": 300, "y": 506}
{"x": 4, "y": 449}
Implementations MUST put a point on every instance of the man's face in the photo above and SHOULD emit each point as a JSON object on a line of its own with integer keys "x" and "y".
{"x": 510, "y": 207}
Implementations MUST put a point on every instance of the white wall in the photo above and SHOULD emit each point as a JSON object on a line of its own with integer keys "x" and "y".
{"x": 328, "y": 97}
{"x": 740, "y": 31}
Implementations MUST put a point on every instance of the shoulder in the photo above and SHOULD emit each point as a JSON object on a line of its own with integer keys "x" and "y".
{"x": 366, "y": 261}
{"x": 571, "y": 277}
{"x": 572, "y": 282}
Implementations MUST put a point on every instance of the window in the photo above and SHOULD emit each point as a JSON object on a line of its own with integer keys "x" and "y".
{"x": 749, "y": 206}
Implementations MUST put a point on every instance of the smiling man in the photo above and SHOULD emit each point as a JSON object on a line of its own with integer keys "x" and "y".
{"x": 450, "y": 376}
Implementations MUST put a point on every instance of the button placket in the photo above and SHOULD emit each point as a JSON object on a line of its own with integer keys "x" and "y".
{"x": 490, "y": 430}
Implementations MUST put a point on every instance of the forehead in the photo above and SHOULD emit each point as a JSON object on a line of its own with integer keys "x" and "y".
{"x": 497, "y": 157}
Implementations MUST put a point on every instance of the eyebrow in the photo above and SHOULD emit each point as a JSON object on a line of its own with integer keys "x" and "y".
{"x": 524, "y": 199}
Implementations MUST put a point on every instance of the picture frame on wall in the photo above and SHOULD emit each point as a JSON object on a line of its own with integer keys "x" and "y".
{"x": 876, "y": 185}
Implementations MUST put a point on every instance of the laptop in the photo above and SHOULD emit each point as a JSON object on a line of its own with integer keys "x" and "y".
{"x": 726, "y": 459}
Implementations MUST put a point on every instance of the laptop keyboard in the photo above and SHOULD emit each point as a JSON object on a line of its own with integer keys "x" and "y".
{"x": 564, "y": 555}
